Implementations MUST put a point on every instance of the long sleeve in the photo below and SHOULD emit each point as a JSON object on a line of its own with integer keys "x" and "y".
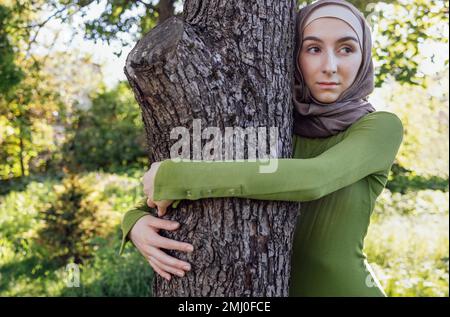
{"x": 369, "y": 146}
{"x": 129, "y": 219}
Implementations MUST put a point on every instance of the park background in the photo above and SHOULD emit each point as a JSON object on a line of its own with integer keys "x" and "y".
{"x": 73, "y": 150}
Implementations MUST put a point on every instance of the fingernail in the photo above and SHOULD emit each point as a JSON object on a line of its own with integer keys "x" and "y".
{"x": 176, "y": 225}
{"x": 187, "y": 267}
{"x": 190, "y": 248}
{"x": 180, "y": 274}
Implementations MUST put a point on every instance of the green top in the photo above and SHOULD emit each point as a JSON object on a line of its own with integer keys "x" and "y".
{"x": 338, "y": 178}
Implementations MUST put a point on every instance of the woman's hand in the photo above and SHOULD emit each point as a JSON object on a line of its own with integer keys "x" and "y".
{"x": 145, "y": 237}
{"x": 149, "y": 185}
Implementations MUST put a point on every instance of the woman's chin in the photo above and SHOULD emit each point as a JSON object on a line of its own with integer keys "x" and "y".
{"x": 327, "y": 97}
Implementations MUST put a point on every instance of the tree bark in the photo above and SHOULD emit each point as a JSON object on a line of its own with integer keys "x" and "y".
{"x": 166, "y": 9}
{"x": 228, "y": 63}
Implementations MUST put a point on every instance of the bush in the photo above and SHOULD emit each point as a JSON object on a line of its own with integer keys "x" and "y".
{"x": 74, "y": 219}
{"x": 109, "y": 135}
{"x": 408, "y": 243}
{"x": 402, "y": 180}
{"x": 27, "y": 265}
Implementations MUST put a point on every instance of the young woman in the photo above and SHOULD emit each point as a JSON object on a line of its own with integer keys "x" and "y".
{"x": 343, "y": 151}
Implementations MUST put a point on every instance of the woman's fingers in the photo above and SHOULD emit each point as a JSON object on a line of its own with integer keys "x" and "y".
{"x": 150, "y": 203}
{"x": 168, "y": 260}
{"x": 162, "y": 223}
{"x": 169, "y": 244}
{"x": 162, "y": 209}
{"x": 162, "y": 205}
{"x": 168, "y": 268}
{"x": 158, "y": 270}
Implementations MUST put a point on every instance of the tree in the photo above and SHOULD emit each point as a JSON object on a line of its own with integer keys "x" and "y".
{"x": 25, "y": 111}
{"x": 228, "y": 64}
{"x": 400, "y": 28}
{"x": 95, "y": 145}
{"x": 10, "y": 73}
{"x": 34, "y": 112}
{"x": 119, "y": 21}
{"x": 36, "y": 92}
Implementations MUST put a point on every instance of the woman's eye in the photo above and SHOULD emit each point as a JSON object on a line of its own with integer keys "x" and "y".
{"x": 313, "y": 49}
{"x": 347, "y": 50}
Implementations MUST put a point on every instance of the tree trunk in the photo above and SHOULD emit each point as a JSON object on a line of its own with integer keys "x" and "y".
{"x": 166, "y": 9}
{"x": 21, "y": 150}
{"x": 229, "y": 64}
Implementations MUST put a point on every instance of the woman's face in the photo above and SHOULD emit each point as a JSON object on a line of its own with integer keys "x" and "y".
{"x": 330, "y": 58}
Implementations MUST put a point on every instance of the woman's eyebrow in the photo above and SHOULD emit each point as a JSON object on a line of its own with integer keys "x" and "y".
{"x": 343, "y": 39}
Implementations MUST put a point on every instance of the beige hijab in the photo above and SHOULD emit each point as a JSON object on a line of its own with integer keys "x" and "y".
{"x": 312, "y": 118}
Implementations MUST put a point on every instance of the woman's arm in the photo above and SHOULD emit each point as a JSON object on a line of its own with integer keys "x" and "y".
{"x": 370, "y": 146}
{"x": 129, "y": 219}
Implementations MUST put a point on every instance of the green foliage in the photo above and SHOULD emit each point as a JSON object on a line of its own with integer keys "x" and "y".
{"x": 121, "y": 21}
{"x": 24, "y": 110}
{"x": 20, "y": 206}
{"x": 410, "y": 255}
{"x": 424, "y": 113}
{"x": 29, "y": 268}
{"x": 106, "y": 274}
{"x": 36, "y": 112}
{"x": 23, "y": 202}
{"x": 402, "y": 180}
{"x": 109, "y": 134}
{"x": 398, "y": 33}
{"x": 73, "y": 220}
{"x": 110, "y": 275}
{"x": 408, "y": 243}
{"x": 10, "y": 73}
{"x": 26, "y": 113}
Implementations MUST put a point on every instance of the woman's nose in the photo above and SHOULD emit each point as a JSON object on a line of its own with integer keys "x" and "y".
{"x": 330, "y": 64}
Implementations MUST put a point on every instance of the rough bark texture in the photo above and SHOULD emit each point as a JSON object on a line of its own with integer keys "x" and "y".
{"x": 228, "y": 63}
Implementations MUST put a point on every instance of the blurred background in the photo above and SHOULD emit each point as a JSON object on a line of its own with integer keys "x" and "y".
{"x": 72, "y": 145}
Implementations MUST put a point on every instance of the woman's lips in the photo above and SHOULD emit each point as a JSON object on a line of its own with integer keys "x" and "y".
{"x": 328, "y": 85}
